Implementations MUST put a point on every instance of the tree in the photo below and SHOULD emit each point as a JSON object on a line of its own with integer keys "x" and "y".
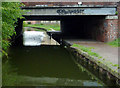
{"x": 11, "y": 11}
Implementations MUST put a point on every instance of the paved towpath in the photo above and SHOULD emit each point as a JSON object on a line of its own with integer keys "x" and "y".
{"x": 110, "y": 53}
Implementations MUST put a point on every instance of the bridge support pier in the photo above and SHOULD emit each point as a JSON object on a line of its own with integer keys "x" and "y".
{"x": 118, "y": 10}
{"x": 19, "y": 33}
{"x": 109, "y": 29}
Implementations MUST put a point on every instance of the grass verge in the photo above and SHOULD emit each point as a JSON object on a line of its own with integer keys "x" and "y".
{"x": 49, "y": 27}
{"x": 100, "y": 58}
{"x": 115, "y": 43}
{"x": 87, "y": 49}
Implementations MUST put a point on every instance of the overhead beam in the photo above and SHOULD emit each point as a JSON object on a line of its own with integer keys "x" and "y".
{"x": 57, "y": 11}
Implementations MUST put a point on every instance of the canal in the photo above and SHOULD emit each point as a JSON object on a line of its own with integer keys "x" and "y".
{"x": 40, "y": 64}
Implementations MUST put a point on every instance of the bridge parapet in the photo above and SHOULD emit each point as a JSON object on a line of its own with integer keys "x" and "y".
{"x": 71, "y": 10}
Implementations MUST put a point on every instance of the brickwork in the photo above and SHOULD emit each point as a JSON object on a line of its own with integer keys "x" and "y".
{"x": 107, "y": 30}
{"x": 99, "y": 3}
{"x": 103, "y": 29}
{"x": 50, "y": 3}
{"x": 67, "y": 3}
{"x": 118, "y": 9}
{"x": 111, "y": 30}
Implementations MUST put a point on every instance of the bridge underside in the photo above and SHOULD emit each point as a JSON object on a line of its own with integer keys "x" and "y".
{"x": 95, "y": 27}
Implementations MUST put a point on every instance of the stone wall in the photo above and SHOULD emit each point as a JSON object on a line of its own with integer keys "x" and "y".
{"x": 101, "y": 70}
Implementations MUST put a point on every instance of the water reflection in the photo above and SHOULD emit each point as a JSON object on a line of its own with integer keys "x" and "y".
{"x": 49, "y": 65}
{"x": 46, "y": 65}
{"x": 58, "y": 81}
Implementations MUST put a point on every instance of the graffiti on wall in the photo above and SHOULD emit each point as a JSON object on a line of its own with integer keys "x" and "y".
{"x": 75, "y": 11}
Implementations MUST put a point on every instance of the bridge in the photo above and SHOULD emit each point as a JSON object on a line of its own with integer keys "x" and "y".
{"x": 98, "y": 22}
{"x": 74, "y": 10}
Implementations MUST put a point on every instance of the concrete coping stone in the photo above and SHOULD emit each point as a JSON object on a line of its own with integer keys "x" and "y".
{"x": 111, "y": 17}
{"x": 94, "y": 59}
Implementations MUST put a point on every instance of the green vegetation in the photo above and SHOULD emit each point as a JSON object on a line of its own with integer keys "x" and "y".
{"x": 48, "y": 27}
{"x": 116, "y": 12}
{"x": 115, "y": 43}
{"x": 10, "y": 13}
{"x": 100, "y": 59}
{"x": 87, "y": 49}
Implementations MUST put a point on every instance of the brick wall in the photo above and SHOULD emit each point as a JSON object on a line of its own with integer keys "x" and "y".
{"x": 104, "y": 29}
{"x": 107, "y": 30}
{"x": 99, "y": 3}
{"x": 111, "y": 31}
{"x": 67, "y": 3}
{"x": 49, "y": 3}
{"x": 118, "y": 9}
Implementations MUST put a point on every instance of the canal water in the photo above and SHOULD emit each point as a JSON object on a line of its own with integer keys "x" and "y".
{"x": 48, "y": 65}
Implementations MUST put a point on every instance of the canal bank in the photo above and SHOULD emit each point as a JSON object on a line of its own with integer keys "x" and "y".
{"x": 49, "y": 65}
{"x": 37, "y": 64}
{"x": 105, "y": 61}
{"x": 103, "y": 66}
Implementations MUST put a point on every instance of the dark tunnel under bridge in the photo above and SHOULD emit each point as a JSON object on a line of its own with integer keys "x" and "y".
{"x": 98, "y": 26}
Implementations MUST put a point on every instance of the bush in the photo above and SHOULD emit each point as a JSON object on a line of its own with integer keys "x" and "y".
{"x": 11, "y": 11}
{"x": 28, "y": 22}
